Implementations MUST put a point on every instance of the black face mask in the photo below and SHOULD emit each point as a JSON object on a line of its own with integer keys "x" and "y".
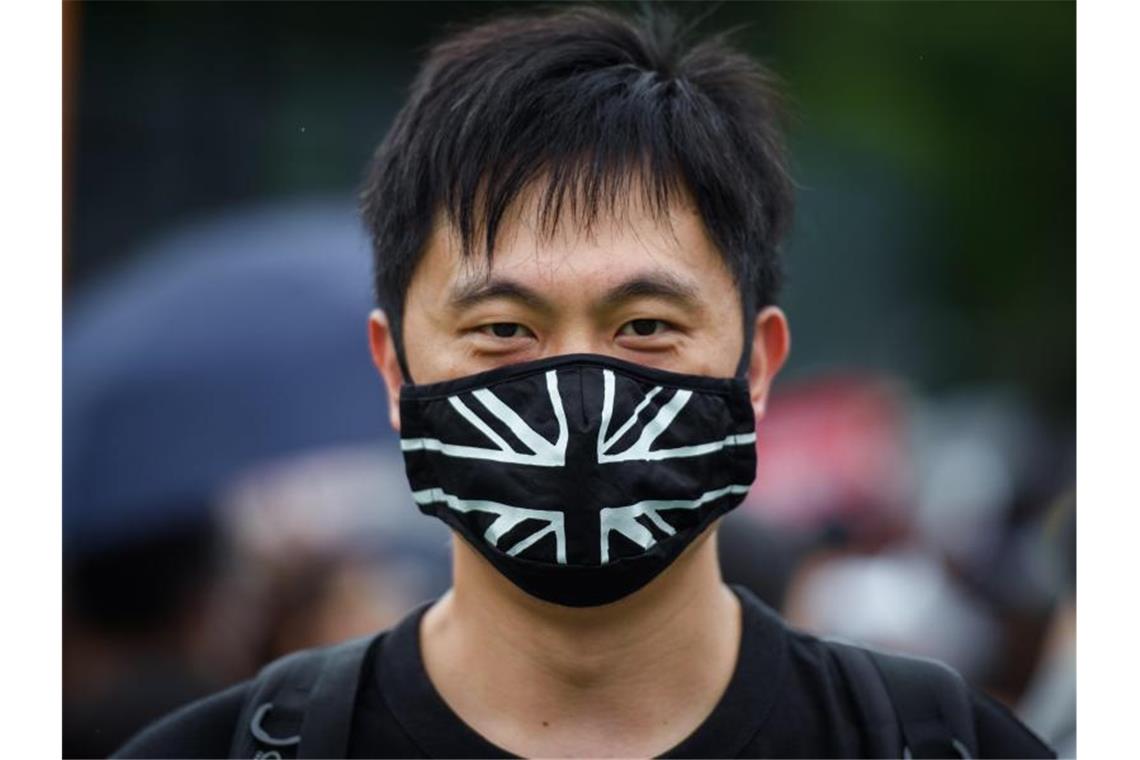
{"x": 579, "y": 477}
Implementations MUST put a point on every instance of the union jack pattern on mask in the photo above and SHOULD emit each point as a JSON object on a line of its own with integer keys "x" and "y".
{"x": 579, "y": 461}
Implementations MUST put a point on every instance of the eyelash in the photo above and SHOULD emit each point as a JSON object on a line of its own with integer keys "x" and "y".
{"x": 665, "y": 326}
{"x": 489, "y": 330}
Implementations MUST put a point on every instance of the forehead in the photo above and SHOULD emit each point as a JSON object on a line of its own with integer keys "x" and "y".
{"x": 578, "y": 261}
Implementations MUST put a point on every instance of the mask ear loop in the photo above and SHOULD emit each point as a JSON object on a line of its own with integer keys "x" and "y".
{"x": 749, "y": 311}
{"x": 398, "y": 342}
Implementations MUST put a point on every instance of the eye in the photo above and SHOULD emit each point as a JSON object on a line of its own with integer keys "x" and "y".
{"x": 644, "y": 327}
{"x": 506, "y": 330}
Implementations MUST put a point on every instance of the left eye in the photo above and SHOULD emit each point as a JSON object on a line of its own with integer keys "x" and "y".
{"x": 643, "y": 327}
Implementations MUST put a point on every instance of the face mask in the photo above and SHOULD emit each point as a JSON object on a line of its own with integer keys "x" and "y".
{"x": 579, "y": 477}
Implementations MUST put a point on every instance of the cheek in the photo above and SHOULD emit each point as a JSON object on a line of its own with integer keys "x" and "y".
{"x": 427, "y": 332}
{"x": 721, "y": 344}
{"x": 720, "y": 338}
{"x": 426, "y": 346}
{"x": 434, "y": 353}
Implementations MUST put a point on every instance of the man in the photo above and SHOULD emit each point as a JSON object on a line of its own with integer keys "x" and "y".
{"x": 575, "y": 221}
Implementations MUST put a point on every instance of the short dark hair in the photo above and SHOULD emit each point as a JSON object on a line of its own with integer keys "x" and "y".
{"x": 593, "y": 104}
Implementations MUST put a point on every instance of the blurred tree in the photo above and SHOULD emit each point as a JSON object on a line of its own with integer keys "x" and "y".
{"x": 934, "y": 143}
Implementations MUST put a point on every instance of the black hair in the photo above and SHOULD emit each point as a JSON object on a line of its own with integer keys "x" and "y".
{"x": 593, "y": 105}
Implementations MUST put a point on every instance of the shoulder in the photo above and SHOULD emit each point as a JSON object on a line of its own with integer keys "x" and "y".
{"x": 324, "y": 676}
{"x": 924, "y": 701}
{"x": 200, "y": 729}
{"x": 870, "y": 699}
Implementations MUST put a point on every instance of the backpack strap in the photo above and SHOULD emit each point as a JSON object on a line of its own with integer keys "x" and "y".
{"x": 875, "y": 709}
{"x": 925, "y": 703}
{"x": 301, "y": 705}
{"x": 933, "y": 705}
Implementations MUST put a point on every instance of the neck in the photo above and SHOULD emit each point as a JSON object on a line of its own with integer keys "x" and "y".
{"x": 520, "y": 663}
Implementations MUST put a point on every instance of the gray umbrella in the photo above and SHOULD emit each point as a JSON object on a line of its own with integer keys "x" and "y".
{"x": 228, "y": 344}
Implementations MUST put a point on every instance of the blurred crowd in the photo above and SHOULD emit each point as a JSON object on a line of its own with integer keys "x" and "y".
{"x": 233, "y": 491}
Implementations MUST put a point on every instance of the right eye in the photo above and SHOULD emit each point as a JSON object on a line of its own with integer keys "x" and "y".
{"x": 506, "y": 330}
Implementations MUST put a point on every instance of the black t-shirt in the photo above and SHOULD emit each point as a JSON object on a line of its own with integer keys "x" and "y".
{"x": 786, "y": 698}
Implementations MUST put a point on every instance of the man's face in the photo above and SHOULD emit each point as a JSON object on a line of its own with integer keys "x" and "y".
{"x": 637, "y": 288}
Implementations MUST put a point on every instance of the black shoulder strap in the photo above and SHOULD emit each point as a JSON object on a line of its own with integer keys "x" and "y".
{"x": 933, "y": 705}
{"x": 301, "y": 705}
{"x": 927, "y": 701}
{"x": 874, "y": 705}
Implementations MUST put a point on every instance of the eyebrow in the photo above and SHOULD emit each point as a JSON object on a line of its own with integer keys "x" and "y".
{"x": 656, "y": 284}
{"x": 478, "y": 291}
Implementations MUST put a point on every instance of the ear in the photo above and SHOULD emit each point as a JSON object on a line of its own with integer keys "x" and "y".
{"x": 771, "y": 343}
{"x": 384, "y": 357}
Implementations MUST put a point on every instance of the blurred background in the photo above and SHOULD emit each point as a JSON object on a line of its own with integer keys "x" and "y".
{"x": 232, "y": 489}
